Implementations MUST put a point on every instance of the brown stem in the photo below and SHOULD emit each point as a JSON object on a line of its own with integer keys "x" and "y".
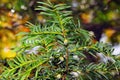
{"x": 63, "y": 78}
{"x": 67, "y": 57}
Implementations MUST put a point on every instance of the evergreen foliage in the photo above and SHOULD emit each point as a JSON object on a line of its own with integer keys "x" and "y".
{"x": 65, "y": 51}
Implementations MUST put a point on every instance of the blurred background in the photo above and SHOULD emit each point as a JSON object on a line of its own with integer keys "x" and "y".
{"x": 101, "y": 17}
